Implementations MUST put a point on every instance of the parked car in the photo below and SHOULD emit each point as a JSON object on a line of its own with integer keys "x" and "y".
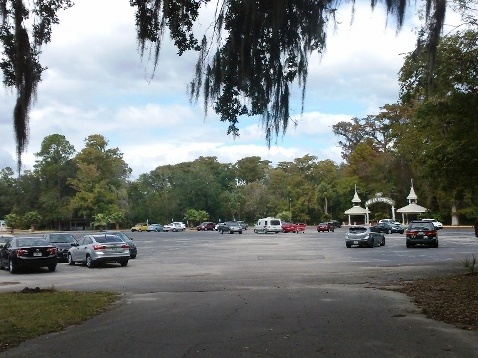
{"x": 337, "y": 223}
{"x": 175, "y": 226}
{"x": 133, "y": 250}
{"x": 267, "y": 225}
{"x": 438, "y": 225}
{"x": 154, "y": 227}
{"x": 27, "y": 252}
{"x": 229, "y": 226}
{"x": 421, "y": 232}
{"x": 288, "y": 227}
{"x": 206, "y": 226}
{"x": 180, "y": 225}
{"x": 63, "y": 242}
{"x": 364, "y": 236}
{"x": 243, "y": 224}
{"x": 4, "y": 238}
{"x": 140, "y": 227}
{"x": 325, "y": 226}
{"x": 389, "y": 228}
{"x": 300, "y": 227}
{"x": 96, "y": 249}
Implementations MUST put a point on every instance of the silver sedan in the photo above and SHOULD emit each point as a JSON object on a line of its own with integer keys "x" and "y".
{"x": 364, "y": 236}
{"x": 93, "y": 250}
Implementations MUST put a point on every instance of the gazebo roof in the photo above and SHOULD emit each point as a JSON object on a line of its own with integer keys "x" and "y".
{"x": 356, "y": 210}
{"x": 412, "y": 208}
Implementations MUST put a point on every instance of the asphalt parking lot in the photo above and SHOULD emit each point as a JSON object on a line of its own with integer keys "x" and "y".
{"x": 203, "y": 294}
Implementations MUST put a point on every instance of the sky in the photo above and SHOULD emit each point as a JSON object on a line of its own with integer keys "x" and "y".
{"x": 97, "y": 83}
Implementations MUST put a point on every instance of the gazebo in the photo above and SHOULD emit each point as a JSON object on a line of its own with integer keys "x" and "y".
{"x": 412, "y": 207}
{"x": 356, "y": 209}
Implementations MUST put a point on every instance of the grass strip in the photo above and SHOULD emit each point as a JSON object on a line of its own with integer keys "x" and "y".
{"x": 35, "y": 312}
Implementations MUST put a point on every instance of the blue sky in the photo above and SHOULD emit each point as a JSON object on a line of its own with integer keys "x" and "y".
{"x": 97, "y": 83}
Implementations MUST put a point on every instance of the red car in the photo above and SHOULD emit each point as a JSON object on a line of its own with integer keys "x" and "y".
{"x": 300, "y": 227}
{"x": 288, "y": 227}
{"x": 325, "y": 227}
{"x": 206, "y": 225}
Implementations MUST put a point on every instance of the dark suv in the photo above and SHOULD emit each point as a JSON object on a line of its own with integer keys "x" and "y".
{"x": 421, "y": 233}
{"x": 206, "y": 225}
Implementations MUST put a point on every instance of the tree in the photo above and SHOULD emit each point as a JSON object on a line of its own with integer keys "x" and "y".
{"x": 21, "y": 50}
{"x": 32, "y": 218}
{"x": 261, "y": 49}
{"x": 440, "y": 132}
{"x": 101, "y": 179}
{"x": 54, "y": 166}
{"x": 13, "y": 221}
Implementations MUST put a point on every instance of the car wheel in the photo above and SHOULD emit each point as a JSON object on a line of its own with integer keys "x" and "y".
{"x": 372, "y": 243}
{"x": 383, "y": 242}
{"x": 231, "y": 232}
{"x": 70, "y": 260}
{"x": 133, "y": 257}
{"x": 89, "y": 262}
{"x": 11, "y": 266}
{"x": 240, "y": 232}
{"x": 124, "y": 263}
{"x": 52, "y": 268}
{"x": 255, "y": 231}
{"x": 408, "y": 245}
{"x": 348, "y": 246}
{"x": 222, "y": 232}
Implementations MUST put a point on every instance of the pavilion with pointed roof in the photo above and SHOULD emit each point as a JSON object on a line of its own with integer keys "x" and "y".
{"x": 356, "y": 209}
{"x": 412, "y": 207}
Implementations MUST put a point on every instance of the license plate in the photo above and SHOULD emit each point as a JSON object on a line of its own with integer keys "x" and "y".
{"x": 356, "y": 242}
{"x": 37, "y": 254}
{"x": 420, "y": 233}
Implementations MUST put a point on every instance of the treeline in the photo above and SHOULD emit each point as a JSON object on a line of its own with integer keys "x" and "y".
{"x": 428, "y": 136}
{"x": 75, "y": 190}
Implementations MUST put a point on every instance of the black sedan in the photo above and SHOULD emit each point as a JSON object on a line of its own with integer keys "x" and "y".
{"x": 27, "y": 252}
{"x": 388, "y": 228}
{"x": 63, "y": 241}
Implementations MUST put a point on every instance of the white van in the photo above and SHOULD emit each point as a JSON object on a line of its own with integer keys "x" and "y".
{"x": 269, "y": 224}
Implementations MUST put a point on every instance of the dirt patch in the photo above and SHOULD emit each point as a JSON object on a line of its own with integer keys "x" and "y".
{"x": 451, "y": 299}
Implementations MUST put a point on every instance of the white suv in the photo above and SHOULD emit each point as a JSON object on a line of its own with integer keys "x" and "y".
{"x": 438, "y": 225}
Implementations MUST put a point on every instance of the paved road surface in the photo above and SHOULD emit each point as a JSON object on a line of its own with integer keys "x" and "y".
{"x": 203, "y": 294}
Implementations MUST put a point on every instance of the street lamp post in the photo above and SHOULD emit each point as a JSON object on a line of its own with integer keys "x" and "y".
{"x": 290, "y": 212}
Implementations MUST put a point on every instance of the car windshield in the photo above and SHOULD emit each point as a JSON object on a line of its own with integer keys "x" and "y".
{"x": 32, "y": 242}
{"x": 420, "y": 226}
{"x": 62, "y": 238}
{"x": 122, "y": 236}
{"x": 4, "y": 239}
{"x": 357, "y": 230}
{"x": 107, "y": 238}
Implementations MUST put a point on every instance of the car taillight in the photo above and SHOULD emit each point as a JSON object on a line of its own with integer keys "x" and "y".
{"x": 126, "y": 246}
{"x": 51, "y": 250}
{"x": 22, "y": 252}
{"x": 99, "y": 247}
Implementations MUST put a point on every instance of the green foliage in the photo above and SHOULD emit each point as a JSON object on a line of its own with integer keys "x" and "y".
{"x": 13, "y": 221}
{"x": 195, "y": 217}
{"x": 59, "y": 310}
{"x": 32, "y": 218}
